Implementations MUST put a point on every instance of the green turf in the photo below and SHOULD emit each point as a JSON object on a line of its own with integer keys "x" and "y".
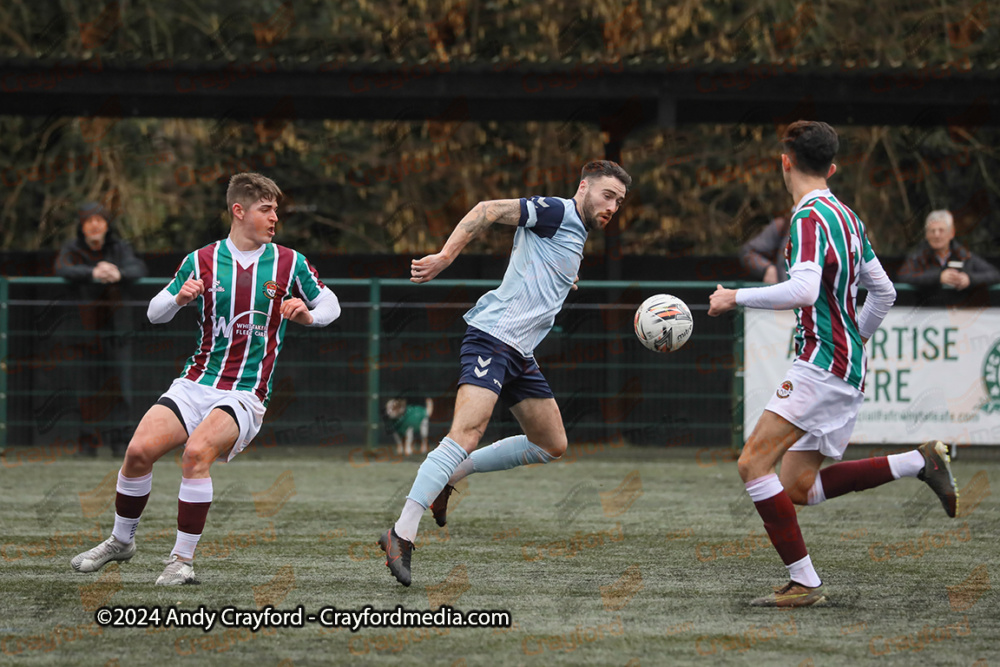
{"x": 689, "y": 555}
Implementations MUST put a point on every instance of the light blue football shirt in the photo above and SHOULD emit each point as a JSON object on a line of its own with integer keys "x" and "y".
{"x": 545, "y": 259}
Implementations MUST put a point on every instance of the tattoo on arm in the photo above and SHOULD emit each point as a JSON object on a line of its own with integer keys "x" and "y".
{"x": 504, "y": 211}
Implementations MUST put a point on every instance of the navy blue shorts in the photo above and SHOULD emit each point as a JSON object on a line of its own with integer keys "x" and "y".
{"x": 495, "y": 365}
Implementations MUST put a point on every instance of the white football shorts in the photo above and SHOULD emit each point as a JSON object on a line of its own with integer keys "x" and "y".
{"x": 819, "y": 403}
{"x": 195, "y": 401}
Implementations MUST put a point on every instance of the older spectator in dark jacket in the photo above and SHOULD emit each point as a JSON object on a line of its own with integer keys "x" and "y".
{"x": 941, "y": 261}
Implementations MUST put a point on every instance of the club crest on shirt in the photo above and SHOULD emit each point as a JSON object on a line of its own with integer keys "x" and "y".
{"x": 270, "y": 289}
{"x": 785, "y": 390}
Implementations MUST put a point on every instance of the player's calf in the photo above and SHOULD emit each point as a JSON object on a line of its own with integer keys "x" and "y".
{"x": 439, "y": 508}
{"x": 800, "y": 481}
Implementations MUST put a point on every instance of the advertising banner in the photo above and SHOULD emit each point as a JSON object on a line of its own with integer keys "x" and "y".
{"x": 933, "y": 373}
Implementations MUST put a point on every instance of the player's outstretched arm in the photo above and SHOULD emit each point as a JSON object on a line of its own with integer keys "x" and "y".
{"x": 482, "y": 215}
{"x": 800, "y": 290}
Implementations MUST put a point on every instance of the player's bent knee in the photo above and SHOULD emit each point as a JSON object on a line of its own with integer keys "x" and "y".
{"x": 748, "y": 467}
{"x": 139, "y": 457}
{"x": 556, "y": 448}
{"x": 196, "y": 459}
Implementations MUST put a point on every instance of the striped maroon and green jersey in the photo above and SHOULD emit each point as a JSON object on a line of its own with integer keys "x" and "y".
{"x": 827, "y": 232}
{"x": 241, "y": 326}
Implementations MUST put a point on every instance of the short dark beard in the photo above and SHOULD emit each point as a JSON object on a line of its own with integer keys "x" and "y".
{"x": 587, "y": 222}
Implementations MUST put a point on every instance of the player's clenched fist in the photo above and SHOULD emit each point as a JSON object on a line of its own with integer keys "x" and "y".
{"x": 296, "y": 311}
{"x": 190, "y": 290}
{"x": 722, "y": 300}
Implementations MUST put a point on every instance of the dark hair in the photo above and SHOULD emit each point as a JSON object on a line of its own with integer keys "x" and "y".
{"x": 599, "y": 168}
{"x": 248, "y": 188}
{"x": 91, "y": 208}
{"x": 812, "y": 145}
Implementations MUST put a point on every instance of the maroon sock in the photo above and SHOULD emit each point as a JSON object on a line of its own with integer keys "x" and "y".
{"x": 130, "y": 507}
{"x": 191, "y": 517}
{"x": 782, "y": 527}
{"x": 848, "y": 476}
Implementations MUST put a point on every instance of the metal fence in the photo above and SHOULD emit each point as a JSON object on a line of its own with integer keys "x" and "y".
{"x": 68, "y": 374}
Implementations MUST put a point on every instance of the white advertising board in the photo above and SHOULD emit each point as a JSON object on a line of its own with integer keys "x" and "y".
{"x": 933, "y": 373}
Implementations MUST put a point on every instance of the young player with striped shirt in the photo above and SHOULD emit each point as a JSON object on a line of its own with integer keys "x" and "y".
{"x": 497, "y": 356}
{"x": 812, "y": 414}
{"x": 246, "y": 289}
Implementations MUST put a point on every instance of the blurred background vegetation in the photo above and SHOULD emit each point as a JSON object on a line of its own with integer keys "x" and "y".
{"x": 399, "y": 186}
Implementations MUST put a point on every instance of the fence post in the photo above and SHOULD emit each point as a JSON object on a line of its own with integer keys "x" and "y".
{"x": 374, "y": 346}
{"x": 4, "y": 326}
{"x": 738, "y": 367}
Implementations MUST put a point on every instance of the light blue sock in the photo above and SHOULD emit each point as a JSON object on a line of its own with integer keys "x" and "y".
{"x": 435, "y": 471}
{"x": 506, "y": 454}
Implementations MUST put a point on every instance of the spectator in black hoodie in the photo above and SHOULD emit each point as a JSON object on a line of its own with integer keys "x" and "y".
{"x": 763, "y": 256}
{"x": 941, "y": 261}
{"x": 101, "y": 266}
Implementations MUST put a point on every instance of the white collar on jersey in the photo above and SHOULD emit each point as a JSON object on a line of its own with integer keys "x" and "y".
{"x": 244, "y": 258}
{"x": 825, "y": 192}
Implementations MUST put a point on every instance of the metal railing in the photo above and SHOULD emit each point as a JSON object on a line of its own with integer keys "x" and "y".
{"x": 394, "y": 339}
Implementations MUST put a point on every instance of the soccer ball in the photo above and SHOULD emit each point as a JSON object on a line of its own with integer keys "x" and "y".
{"x": 663, "y": 323}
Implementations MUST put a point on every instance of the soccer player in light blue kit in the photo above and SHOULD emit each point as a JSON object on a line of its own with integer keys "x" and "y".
{"x": 505, "y": 326}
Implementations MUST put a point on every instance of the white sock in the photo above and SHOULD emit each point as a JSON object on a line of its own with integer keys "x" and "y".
{"x": 134, "y": 486}
{"x": 816, "y": 494}
{"x": 764, "y": 487}
{"x": 409, "y": 520}
{"x": 124, "y": 530}
{"x": 185, "y": 545}
{"x": 907, "y": 464}
{"x": 464, "y": 469}
{"x": 802, "y": 571}
{"x": 195, "y": 490}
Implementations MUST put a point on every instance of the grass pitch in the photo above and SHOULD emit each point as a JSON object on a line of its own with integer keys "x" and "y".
{"x": 625, "y": 557}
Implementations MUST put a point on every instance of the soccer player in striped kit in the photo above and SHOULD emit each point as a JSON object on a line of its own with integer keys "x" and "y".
{"x": 497, "y": 357}
{"x": 246, "y": 289}
{"x": 812, "y": 414}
